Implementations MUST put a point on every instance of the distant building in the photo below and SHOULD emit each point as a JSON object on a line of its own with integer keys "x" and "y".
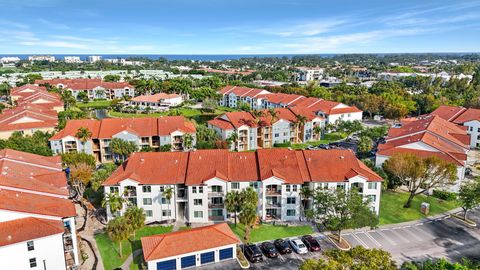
{"x": 47, "y": 58}
{"x": 37, "y": 218}
{"x": 12, "y": 59}
{"x": 94, "y": 58}
{"x": 268, "y": 83}
{"x": 309, "y": 74}
{"x": 144, "y": 132}
{"x": 94, "y": 88}
{"x": 160, "y": 101}
{"x": 72, "y": 59}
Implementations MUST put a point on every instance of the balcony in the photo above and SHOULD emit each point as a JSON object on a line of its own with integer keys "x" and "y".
{"x": 216, "y": 194}
{"x": 274, "y": 204}
{"x": 128, "y": 193}
{"x": 216, "y": 218}
{"x": 70, "y": 261}
{"x": 273, "y": 192}
{"x": 216, "y": 205}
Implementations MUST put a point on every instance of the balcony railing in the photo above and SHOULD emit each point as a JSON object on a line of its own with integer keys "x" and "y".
{"x": 216, "y": 194}
{"x": 216, "y": 218}
{"x": 274, "y": 204}
{"x": 273, "y": 192}
{"x": 216, "y": 205}
{"x": 130, "y": 193}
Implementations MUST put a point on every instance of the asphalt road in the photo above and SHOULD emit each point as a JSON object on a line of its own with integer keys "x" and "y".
{"x": 446, "y": 237}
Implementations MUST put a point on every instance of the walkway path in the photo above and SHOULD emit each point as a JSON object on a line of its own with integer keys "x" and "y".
{"x": 92, "y": 226}
{"x": 129, "y": 260}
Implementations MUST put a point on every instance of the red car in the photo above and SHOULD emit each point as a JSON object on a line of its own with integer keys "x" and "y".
{"x": 311, "y": 243}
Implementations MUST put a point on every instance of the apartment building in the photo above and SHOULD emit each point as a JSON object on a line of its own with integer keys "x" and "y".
{"x": 427, "y": 136}
{"x": 48, "y": 58}
{"x": 262, "y": 99}
{"x": 160, "y": 101}
{"x": 144, "y": 132}
{"x": 94, "y": 88}
{"x": 309, "y": 74}
{"x": 37, "y": 218}
{"x": 36, "y": 95}
{"x": 469, "y": 118}
{"x": 72, "y": 59}
{"x": 201, "y": 179}
{"x": 264, "y": 131}
{"x": 94, "y": 58}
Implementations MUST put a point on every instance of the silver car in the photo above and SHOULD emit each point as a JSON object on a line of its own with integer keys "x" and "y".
{"x": 298, "y": 245}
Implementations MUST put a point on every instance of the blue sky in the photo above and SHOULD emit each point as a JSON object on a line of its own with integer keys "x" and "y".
{"x": 238, "y": 26}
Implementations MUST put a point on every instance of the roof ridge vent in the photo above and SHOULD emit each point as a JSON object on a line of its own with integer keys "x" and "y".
{"x": 342, "y": 157}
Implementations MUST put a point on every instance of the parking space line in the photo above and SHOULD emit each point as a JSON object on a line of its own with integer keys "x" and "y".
{"x": 360, "y": 241}
{"x": 386, "y": 237}
{"x": 399, "y": 235}
{"x": 413, "y": 234}
{"x": 422, "y": 231}
{"x": 373, "y": 239}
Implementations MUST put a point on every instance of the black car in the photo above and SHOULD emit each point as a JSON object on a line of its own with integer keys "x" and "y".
{"x": 323, "y": 146}
{"x": 311, "y": 243}
{"x": 282, "y": 246}
{"x": 269, "y": 249}
{"x": 253, "y": 253}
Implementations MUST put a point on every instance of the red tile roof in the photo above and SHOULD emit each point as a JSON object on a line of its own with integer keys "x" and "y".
{"x": 33, "y": 117}
{"x": 241, "y": 118}
{"x": 241, "y": 91}
{"x": 448, "y": 113}
{"x": 467, "y": 115}
{"x": 144, "y": 126}
{"x": 220, "y": 123}
{"x": 26, "y": 229}
{"x": 154, "y": 98}
{"x": 281, "y": 98}
{"x": 194, "y": 168}
{"x": 181, "y": 242}
{"x": 17, "y": 201}
{"x": 85, "y": 84}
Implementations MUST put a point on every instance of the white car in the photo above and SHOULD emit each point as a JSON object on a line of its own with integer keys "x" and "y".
{"x": 298, "y": 245}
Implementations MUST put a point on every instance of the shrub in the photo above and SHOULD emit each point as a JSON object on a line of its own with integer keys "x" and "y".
{"x": 285, "y": 144}
{"x": 444, "y": 195}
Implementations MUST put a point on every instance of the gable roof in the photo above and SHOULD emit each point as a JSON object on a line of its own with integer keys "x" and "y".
{"x": 85, "y": 84}
{"x": 27, "y": 116}
{"x": 448, "y": 113}
{"x": 155, "y": 97}
{"x": 25, "y": 229}
{"x": 187, "y": 241}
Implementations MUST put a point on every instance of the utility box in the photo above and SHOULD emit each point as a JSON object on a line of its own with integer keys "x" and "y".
{"x": 425, "y": 208}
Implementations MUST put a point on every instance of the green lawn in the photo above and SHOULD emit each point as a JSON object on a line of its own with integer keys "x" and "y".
{"x": 136, "y": 262}
{"x": 392, "y": 211}
{"x": 109, "y": 251}
{"x": 326, "y": 139}
{"x": 96, "y": 104}
{"x": 270, "y": 232}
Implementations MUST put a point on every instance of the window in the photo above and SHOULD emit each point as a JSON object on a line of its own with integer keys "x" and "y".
{"x": 217, "y": 200}
{"x": 165, "y": 201}
{"x": 33, "y": 262}
{"x": 148, "y": 213}
{"x": 30, "y": 245}
{"x": 200, "y": 189}
{"x": 294, "y": 188}
{"x": 216, "y": 212}
{"x": 291, "y": 212}
{"x": 162, "y": 189}
{"x": 166, "y": 213}
{"x": 291, "y": 200}
{"x": 235, "y": 185}
{"x": 277, "y": 135}
{"x": 372, "y": 185}
{"x": 198, "y": 214}
{"x": 147, "y": 189}
{"x": 287, "y": 187}
{"x": 372, "y": 198}
{"x": 216, "y": 188}
{"x": 194, "y": 189}
{"x": 114, "y": 190}
{"x": 147, "y": 201}
{"x": 197, "y": 202}
{"x": 254, "y": 185}
{"x": 340, "y": 186}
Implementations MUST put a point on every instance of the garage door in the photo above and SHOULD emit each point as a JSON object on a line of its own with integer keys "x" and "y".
{"x": 167, "y": 265}
{"x": 226, "y": 253}
{"x": 188, "y": 261}
{"x": 207, "y": 257}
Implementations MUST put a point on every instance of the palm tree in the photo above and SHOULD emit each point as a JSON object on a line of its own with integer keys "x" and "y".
{"x": 136, "y": 218}
{"x": 188, "y": 141}
{"x": 317, "y": 130}
{"x": 168, "y": 194}
{"x": 118, "y": 230}
{"x": 273, "y": 113}
{"x": 233, "y": 138}
{"x": 247, "y": 217}
{"x": 233, "y": 203}
{"x": 299, "y": 124}
{"x": 122, "y": 148}
{"x": 114, "y": 201}
{"x": 305, "y": 194}
{"x": 83, "y": 134}
{"x": 257, "y": 113}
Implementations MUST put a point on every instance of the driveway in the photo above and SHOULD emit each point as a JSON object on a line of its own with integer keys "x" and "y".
{"x": 443, "y": 237}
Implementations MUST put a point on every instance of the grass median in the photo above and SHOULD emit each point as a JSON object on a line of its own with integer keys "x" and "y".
{"x": 266, "y": 232}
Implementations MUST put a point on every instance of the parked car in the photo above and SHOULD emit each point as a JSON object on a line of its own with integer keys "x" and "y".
{"x": 311, "y": 243}
{"x": 253, "y": 253}
{"x": 323, "y": 146}
{"x": 298, "y": 245}
{"x": 269, "y": 249}
{"x": 282, "y": 246}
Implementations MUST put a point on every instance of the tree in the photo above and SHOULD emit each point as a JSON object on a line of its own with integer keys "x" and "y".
{"x": 365, "y": 145}
{"x": 83, "y": 96}
{"x": 299, "y": 123}
{"x": 273, "y": 113}
{"x": 73, "y": 158}
{"x": 233, "y": 139}
{"x": 340, "y": 209}
{"x": 353, "y": 259}
{"x": 469, "y": 196}
{"x": 83, "y": 134}
{"x": 101, "y": 174}
{"x": 111, "y": 78}
{"x": 209, "y": 104}
{"x": 243, "y": 106}
{"x": 188, "y": 141}
{"x": 81, "y": 175}
{"x": 317, "y": 130}
{"x": 305, "y": 194}
{"x": 136, "y": 218}
{"x": 248, "y": 215}
{"x": 121, "y": 148}
{"x": 118, "y": 230}
{"x": 420, "y": 174}
{"x": 114, "y": 201}
{"x": 441, "y": 264}
{"x": 68, "y": 99}
{"x": 168, "y": 194}
{"x": 206, "y": 137}
{"x": 36, "y": 144}
{"x": 233, "y": 203}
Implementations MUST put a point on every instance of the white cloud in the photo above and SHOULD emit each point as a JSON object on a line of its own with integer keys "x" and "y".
{"x": 54, "y": 25}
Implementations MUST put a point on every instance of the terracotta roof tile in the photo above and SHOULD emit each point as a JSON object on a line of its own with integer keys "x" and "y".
{"x": 181, "y": 242}
{"x": 30, "y": 228}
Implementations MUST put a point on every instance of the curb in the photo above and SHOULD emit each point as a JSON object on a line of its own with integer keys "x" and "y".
{"x": 337, "y": 246}
{"x": 471, "y": 225}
